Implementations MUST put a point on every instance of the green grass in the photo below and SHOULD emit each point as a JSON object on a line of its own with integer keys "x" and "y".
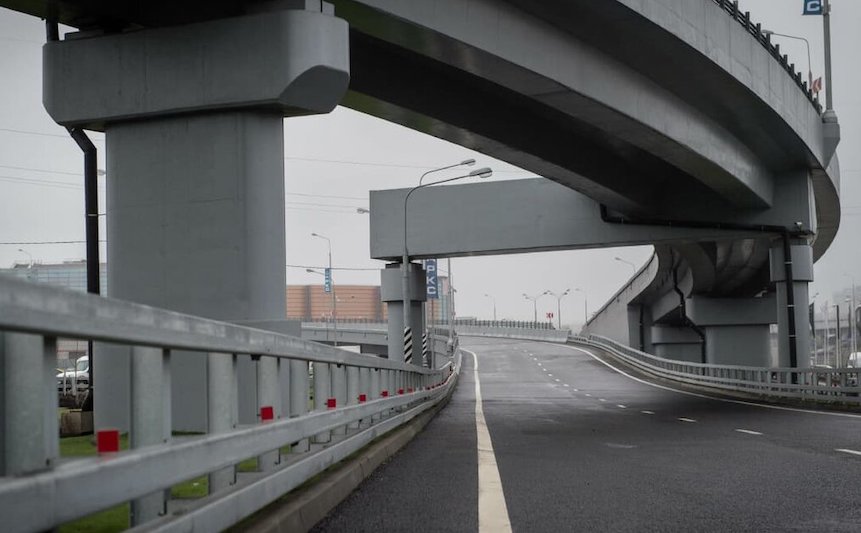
{"x": 117, "y": 518}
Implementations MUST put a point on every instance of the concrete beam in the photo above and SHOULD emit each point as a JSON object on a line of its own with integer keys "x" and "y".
{"x": 530, "y": 215}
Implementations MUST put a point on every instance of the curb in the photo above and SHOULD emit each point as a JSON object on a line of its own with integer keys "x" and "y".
{"x": 302, "y": 509}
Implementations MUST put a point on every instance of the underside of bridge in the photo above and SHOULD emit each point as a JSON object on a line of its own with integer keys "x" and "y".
{"x": 674, "y": 126}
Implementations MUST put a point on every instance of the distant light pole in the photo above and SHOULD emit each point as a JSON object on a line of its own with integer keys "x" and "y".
{"x": 464, "y": 163}
{"x": 494, "y": 305}
{"x": 585, "y": 306}
{"x": 829, "y": 115}
{"x": 813, "y": 325}
{"x": 331, "y": 287}
{"x": 535, "y": 304}
{"x": 806, "y": 43}
{"x": 405, "y": 260}
{"x": 630, "y": 264}
{"x": 23, "y": 251}
{"x": 837, "y": 342}
{"x": 851, "y": 310}
{"x": 559, "y": 306}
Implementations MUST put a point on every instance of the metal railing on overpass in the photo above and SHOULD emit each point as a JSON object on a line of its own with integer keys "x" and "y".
{"x": 755, "y": 29}
{"x": 821, "y": 384}
{"x": 356, "y": 398}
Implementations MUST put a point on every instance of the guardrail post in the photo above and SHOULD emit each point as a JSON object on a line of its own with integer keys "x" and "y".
{"x": 268, "y": 396}
{"x": 299, "y": 397}
{"x": 375, "y": 389}
{"x": 353, "y": 389}
{"x": 339, "y": 392}
{"x": 150, "y": 418}
{"x": 322, "y": 388}
{"x": 29, "y": 436}
{"x": 222, "y": 409}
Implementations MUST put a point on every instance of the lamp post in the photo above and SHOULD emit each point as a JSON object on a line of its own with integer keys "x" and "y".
{"x": 837, "y": 341}
{"x": 335, "y": 332}
{"x": 826, "y": 27}
{"x": 585, "y": 306}
{"x": 630, "y": 264}
{"x": 806, "y": 43}
{"x": 851, "y": 309}
{"x": 535, "y": 304}
{"x": 331, "y": 287}
{"x": 405, "y": 261}
{"x": 813, "y": 326}
{"x": 559, "y": 306}
{"x": 494, "y": 305}
{"x": 464, "y": 163}
{"x": 29, "y": 256}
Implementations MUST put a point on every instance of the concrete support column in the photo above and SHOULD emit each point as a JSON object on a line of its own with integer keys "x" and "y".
{"x": 736, "y": 329}
{"x": 679, "y": 343}
{"x": 193, "y": 122}
{"x": 391, "y": 292}
{"x": 802, "y": 274}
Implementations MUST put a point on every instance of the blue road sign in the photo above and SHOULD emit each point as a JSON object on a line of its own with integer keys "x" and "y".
{"x": 327, "y": 283}
{"x": 432, "y": 279}
{"x": 812, "y": 7}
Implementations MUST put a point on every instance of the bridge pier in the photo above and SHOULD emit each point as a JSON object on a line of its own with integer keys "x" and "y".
{"x": 391, "y": 293}
{"x": 193, "y": 122}
{"x": 736, "y": 329}
{"x": 676, "y": 342}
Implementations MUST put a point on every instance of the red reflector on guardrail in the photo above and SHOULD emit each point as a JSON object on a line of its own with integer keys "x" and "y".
{"x": 267, "y": 413}
{"x": 410, "y": 390}
{"x": 363, "y": 398}
{"x": 331, "y": 403}
{"x": 400, "y": 391}
{"x": 385, "y": 393}
{"x": 108, "y": 441}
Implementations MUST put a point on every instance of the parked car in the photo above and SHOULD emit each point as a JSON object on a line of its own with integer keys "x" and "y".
{"x": 75, "y": 380}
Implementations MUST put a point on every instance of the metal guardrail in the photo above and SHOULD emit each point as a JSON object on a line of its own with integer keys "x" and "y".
{"x": 755, "y": 29}
{"x": 356, "y": 398}
{"x": 841, "y": 385}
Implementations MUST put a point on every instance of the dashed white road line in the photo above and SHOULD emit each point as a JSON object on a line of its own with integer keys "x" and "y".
{"x": 557, "y": 380}
{"x": 492, "y": 511}
{"x": 620, "y": 406}
{"x": 589, "y": 395}
{"x": 706, "y": 396}
{"x": 844, "y": 450}
{"x": 601, "y": 400}
{"x": 566, "y": 385}
{"x": 648, "y": 412}
{"x": 549, "y": 375}
{"x": 686, "y": 419}
{"x": 749, "y": 432}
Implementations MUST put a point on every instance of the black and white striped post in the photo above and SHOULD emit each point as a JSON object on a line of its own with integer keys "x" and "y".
{"x": 425, "y": 355}
{"x": 408, "y": 345}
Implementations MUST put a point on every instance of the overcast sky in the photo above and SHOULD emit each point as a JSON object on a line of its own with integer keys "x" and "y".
{"x": 332, "y": 161}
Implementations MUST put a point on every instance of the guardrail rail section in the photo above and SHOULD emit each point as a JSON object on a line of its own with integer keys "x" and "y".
{"x": 355, "y": 399}
{"x": 820, "y": 384}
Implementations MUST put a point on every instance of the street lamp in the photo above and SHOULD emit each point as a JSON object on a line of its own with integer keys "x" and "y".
{"x": 851, "y": 310}
{"x": 585, "y": 306}
{"x": 535, "y": 304}
{"x": 494, "y": 305}
{"x": 806, "y": 43}
{"x": 559, "y": 306}
{"x": 630, "y": 264}
{"x": 405, "y": 261}
{"x": 464, "y": 163}
{"x": 23, "y": 251}
{"x": 331, "y": 287}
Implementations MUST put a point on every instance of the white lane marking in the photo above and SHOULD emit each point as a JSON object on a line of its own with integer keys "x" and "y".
{"x": 844, "y": 450}
{"x": 601, "y": 400}
{"x": 726, "y": 400}
{"x": 549, "y": 375}
{"x": 685, "y": 419}
{"x": 589, "y": 395}
{"x": 648, "y": 412}
{"x": 566, "y": 385}
{"x": 620, "y": 406}
{"x": 749, "y": 432}
{"x": 492, "y": 511}
{"x": 557, "y": 380}
{"x": 576, "y": 390}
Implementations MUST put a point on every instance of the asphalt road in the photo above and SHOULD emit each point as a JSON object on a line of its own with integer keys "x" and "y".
{"x": 581, "y": 447}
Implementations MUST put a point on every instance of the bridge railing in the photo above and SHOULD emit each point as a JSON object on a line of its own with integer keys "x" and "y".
{"x": 800, "y": 383}
{"x": 755, "y": 29}
{"x": 356, "y": 398}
